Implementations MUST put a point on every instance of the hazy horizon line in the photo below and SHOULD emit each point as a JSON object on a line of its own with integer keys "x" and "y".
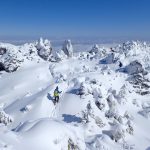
{"x": 75, "y": 39}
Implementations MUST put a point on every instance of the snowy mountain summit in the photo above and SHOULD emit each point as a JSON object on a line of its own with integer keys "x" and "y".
{"x": 102, "y": 97}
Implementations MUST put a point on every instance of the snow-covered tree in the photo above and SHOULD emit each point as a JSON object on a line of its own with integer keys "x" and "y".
{"x": 95, "y": 49}
{"x": 94, "y": 81}
{"x": 111, "y": 101}
{"x": 97, "y": 93}
{"x": 89, "y": 108}
{"x": 71, "y": 145}
{"x": 99, "y": 122}
{"x": 44, "y": 48}
{"x": 112, "y": 107}
{"x": 119, "y": 118}
{"x": 118, "y": 132}
{"x": 59, "y": 56}
{"x": 122, "y": 124}
{"x": 121, "y": 97}
{"x": 5, "y": 118}
{"x": 100, "y": 105}
{"x": 9, "y": 60}
{"x": 133, "y": 48}
{"x": 87, "y": 112}
{"x": 85, "y": 68}
{"x": 130, "y": 128}
{"x": 145, "y": 110}
{"x": 128, "y": 115}
{"x": 97, "y": 52}
{"x": 68, "y": 48}
{"x": 82, "y": 90}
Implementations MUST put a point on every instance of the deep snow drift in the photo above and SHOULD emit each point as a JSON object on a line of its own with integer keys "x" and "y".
{"x": 104, "y": 104}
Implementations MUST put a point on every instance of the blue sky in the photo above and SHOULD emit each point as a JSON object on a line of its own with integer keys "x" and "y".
{"x": 72, "y": 18}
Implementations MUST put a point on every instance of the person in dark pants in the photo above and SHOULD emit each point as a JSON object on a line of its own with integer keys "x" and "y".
{"x": 120, "y": 64}
{"x": 56, "y": 95}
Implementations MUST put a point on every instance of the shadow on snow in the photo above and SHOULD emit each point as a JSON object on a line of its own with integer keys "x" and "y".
{"x": 71, "y": 118}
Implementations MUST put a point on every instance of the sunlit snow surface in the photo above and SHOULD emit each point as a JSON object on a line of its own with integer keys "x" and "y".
{"x": 26, "y": 95}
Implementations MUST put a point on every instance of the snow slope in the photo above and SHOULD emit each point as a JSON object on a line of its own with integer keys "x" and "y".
{"x": 123, "y": 114}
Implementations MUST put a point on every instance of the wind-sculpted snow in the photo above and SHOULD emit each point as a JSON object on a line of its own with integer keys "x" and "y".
{"x": 44, "y": 48}
{"x": 68, "y": 48}
{"x": 54, "y": 134}
{"x": 104, "y": 103}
